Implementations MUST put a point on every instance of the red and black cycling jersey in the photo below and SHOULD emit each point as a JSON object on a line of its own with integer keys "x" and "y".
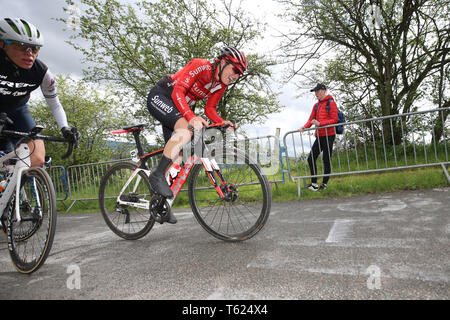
{"x": 196, "y": 82}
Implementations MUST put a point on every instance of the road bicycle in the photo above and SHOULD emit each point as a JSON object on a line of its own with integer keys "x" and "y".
{"x": 28, "y": 212}
{"x": 228, "y": 192}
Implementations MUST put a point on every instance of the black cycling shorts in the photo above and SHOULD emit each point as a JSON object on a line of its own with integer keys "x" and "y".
{"x": 22, "y": 122}
{"x": 161, "y": 106}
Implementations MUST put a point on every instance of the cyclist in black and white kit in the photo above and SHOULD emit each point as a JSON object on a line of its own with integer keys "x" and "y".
{"x": 20, "y": 74}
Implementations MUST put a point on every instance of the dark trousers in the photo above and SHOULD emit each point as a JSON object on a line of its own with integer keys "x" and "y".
{"x": 325, "y": 145}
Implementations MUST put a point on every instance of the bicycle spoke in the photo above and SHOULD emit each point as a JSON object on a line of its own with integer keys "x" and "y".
{"x": 122, "y": 195}
{"x": 246, "y": 205}
{"x": 30, "y": 240}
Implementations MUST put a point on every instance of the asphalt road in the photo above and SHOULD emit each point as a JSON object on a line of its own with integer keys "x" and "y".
{"x": 385, "y": 246}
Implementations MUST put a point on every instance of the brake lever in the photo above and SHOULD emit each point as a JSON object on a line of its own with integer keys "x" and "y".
{"x": 77, "y": 134}
{"x": 72, "y": 144}
{"x": 69, "y": 151}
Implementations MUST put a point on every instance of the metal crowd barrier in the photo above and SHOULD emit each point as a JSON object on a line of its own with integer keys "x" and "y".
{"x": 265, "y": 151}
{"x": 82, "y": 182}
{"x": 374, "y": 145}
{"x": 59, "y": 179}
{"x": 84, "y": 179}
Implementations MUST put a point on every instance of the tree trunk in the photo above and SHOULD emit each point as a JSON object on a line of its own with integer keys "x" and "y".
{"x": 440, "y": 121}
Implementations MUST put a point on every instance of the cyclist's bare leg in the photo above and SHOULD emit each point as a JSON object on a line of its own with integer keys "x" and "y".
{"x": 180, "y": 137}
{"x": 37, "y": 153}
{"x": 171, "y": 152}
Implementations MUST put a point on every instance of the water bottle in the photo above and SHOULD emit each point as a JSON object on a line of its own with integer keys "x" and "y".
{"x": 3, "y": 185}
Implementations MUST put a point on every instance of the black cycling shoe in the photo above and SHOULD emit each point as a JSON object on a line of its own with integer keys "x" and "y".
{"x": 172, "y": 219}
{"x": 159, "y": 184}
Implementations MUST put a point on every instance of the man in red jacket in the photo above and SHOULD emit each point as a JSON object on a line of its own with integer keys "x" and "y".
{"x": 321, "y": 117}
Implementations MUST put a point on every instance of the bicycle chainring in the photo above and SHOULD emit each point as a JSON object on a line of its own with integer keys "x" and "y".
{"x": 159, "y": 209}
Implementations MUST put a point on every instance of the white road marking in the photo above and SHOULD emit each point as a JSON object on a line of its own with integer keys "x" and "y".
{"x": 339, "y": 230}
{"x": 373, "y": 206}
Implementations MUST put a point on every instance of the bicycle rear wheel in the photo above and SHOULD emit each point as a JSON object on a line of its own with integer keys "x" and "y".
{"x": 132, "y": 221}
{"x": 31, "y": 239}
{"x": 246, "y": 207}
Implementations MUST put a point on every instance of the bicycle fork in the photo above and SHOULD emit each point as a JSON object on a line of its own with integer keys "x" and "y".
{"x": 211, "y": 166}
{"x": 23, "y": 154}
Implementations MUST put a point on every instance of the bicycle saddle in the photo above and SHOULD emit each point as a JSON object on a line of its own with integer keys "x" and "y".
{"x": 135, "y": 127}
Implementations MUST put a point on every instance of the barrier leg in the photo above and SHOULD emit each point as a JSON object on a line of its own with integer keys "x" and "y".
{"x": 70, "y": 207}
{"x": 446, "y": 172}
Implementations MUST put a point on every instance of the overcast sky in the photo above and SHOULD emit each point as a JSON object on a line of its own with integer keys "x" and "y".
{"x": 61, "y": 58}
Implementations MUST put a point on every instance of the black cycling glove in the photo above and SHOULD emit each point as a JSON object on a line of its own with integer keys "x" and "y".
{"x": 71, "y": 135}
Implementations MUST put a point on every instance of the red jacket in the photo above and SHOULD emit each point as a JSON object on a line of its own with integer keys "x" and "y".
{"x": 324, "y": 117}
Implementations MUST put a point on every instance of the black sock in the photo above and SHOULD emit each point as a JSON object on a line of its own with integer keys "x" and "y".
{"x": 163, "y": 165}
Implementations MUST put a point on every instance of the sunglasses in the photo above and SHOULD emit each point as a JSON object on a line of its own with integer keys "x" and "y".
{"x": 21, "y": 46}
{"x": 237, "y": 71}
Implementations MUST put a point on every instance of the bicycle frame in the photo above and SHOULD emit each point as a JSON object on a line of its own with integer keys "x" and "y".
{"x": 210, "y": 166}
{"x": 23, "y": 163}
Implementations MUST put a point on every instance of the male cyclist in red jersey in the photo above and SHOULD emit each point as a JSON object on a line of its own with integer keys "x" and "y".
{"x": 170, "y": 100}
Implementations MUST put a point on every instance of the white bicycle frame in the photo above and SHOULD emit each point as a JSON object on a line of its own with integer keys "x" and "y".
{"x": 23, "y": 163}
{"x": 143, "y": 204}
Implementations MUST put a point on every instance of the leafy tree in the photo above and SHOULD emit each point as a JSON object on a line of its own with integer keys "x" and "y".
{"x": 136, "y": 45}
{"x": 94, "y": 112}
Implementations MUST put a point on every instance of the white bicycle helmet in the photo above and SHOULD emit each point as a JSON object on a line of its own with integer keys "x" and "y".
{"x": 16, "y": 29}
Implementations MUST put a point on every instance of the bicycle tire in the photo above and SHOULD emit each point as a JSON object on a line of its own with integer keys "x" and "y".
{"x": 127, "y": 222}
{"x": 231, "y": 220}
{"x": 31, "y": 239}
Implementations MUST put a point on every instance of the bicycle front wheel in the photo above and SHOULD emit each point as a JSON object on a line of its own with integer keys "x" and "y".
{"x": 246, "y": 207}
{"x": 124, "y": 202}
{"x": 30, "y": 239}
